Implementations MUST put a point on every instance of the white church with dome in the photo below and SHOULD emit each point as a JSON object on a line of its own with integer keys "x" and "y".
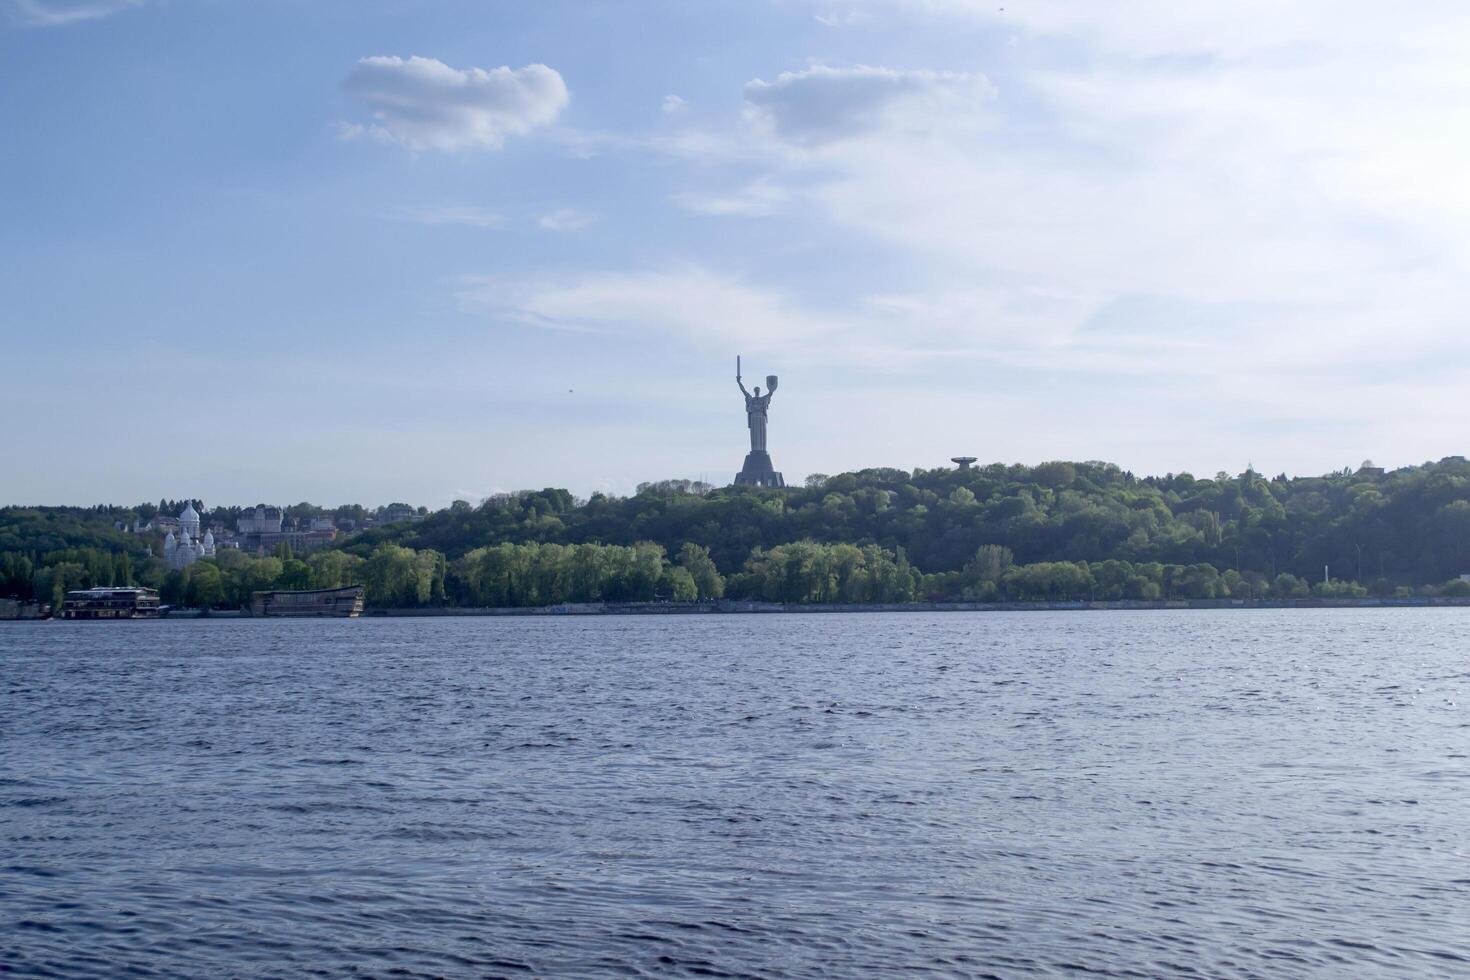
{"x": 187, "y": 548}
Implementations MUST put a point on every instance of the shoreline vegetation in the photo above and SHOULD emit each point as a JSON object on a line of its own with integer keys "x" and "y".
{"x": 1056, "y": 535}
{"x": 724, "y": 608}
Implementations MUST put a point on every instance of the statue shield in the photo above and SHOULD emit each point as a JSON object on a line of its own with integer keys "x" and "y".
{"x": 770, "y": 381}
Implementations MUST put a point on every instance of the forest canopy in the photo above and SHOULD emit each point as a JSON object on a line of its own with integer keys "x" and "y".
{"x": 1057, "y": 530}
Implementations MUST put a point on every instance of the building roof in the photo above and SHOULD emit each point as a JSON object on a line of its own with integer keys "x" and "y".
{"x": 104, "y": 590}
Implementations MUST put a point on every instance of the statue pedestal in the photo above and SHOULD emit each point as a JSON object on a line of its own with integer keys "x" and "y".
{"x": 757, "y": 471}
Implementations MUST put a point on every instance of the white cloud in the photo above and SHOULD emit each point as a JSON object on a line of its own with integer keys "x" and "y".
{"x": 451, "y": 215}
{"x": 424, "y": 104}
{"x": 566, "y": 219}
{"x": 1244, "y": 168}
{"x": 673, "y": 105}
{"x": 1188, "y": 28}
{"x": 1256, "y": 214}
{"x": 757, "y": 199}
{"x": 59, "y": 13}
{"x": 841, "y": 18}
{"x": 823, "y": 105}
{"x": 693, "y": 304}
{"x": 719, "y": 312}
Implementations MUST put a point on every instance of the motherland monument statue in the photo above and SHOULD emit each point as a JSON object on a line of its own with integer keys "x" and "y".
{"x": 757, "y": 471}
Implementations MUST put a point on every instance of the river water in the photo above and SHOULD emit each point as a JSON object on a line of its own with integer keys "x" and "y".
{"x": 1228, "y": 794}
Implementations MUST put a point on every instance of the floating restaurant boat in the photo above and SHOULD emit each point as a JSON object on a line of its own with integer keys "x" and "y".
{"x": 345, "y": 602}
{"x": 111, "y": 603}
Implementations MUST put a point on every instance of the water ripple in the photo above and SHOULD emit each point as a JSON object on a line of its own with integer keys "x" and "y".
{"x": 1232, "y": 794}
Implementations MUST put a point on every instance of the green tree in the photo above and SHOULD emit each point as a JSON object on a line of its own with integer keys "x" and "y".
{"x": 1288, "y": 586}
{"x": 205, "y": 589}
{"x": 295, "y": 575}
{"x": 708, "y": 582}
{"x": 262, "y": 575}
{"x": 51, "y": 583}
{"x": 175, "y": 591}
{"x": 983, "y": 573}
{"x": 400, "y": 577}
{"x": 678, "y": 584}
{"x": 1338, "y": 589}
{"x": 334, "y": 569}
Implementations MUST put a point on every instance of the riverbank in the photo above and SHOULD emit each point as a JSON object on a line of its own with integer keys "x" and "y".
{"x": 738, "y": 608}
{"x": 732, "y": 607}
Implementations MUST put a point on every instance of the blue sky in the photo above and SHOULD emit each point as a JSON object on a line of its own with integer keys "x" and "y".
{"x": 380, "y": 249}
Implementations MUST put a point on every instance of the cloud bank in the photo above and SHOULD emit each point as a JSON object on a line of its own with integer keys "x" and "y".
{"x": 1164, "y": 201}
{"x": 424, "y": 104}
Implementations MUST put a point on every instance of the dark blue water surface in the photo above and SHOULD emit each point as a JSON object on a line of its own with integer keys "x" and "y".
{"x": 1224, "y": 794}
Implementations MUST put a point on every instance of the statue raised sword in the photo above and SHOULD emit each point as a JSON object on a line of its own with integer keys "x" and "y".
{"x": 757, "y": 470}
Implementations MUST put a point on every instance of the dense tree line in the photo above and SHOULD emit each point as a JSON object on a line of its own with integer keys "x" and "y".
{"x": 49, "y": 576}
{"x": 547, "y": 574}
{"x": 1057, "y": 530}
{"x": 37, "y": 530}
{"x": 393, "y": 576}
{"x": 1407, "y": 527}
{"x": 993, "y": 576}
{"x": 809, "y": 571}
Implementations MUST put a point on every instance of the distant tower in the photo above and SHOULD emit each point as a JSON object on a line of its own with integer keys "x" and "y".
{"x": 963, "y": 462}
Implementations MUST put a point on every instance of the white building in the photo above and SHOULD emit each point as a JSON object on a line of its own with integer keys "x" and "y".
{"x": 183, "y": 550}
{"x": 189, "y": 521}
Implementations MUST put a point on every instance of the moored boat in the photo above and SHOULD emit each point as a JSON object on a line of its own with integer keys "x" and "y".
{"x": 111, "y": 603}
{"x": 344, "y": 602}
